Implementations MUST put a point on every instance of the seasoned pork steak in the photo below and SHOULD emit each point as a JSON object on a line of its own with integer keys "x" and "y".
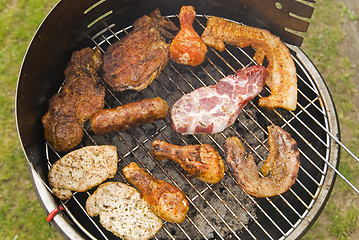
{"x": 123, "y": 212}
{"x": 135, "y": 60}
{"x": 82, "y": 169}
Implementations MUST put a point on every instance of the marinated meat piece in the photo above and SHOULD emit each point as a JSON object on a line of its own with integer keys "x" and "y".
{"x": 200, "y": 161}
{"x": 282, "y": 164}
{"x": 129, "y": 115}
{"x": 80, "y": 97}
{"x": 187, "y": 47}
{"x": 82, "y": 169}
{"x": 167, "y": 201}
{"x": 123, "y": 212}
{"x": 213, "y": 108}
{"x": 282, "y": 79}
{"x": 135, "y": 60}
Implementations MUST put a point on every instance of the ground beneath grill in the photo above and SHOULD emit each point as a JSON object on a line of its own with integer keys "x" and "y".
{"x": 349, "y": 27}
{"x": 351, "y": 42}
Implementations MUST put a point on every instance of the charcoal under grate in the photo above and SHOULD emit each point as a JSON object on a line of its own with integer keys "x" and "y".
{"x": 223, "y": 210}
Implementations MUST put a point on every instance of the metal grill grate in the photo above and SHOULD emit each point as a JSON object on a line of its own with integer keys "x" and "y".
{"x": 223, "y": 210}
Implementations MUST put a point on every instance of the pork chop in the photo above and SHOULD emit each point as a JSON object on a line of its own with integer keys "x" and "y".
{"x": 123, "y": 211}
{"x": 135, "y": 60}
{"x": 82, "y": 169}
{"x": 211, "y": 109}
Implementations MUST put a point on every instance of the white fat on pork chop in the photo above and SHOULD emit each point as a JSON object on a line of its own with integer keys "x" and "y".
{"x": 211, "y": 109}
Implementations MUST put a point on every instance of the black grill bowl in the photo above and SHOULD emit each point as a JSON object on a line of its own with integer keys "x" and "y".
{"x": 220, "y": 211}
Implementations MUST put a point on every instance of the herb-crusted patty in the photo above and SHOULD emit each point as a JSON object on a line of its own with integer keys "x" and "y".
{"x": 82, "y": 169}
{"x": 123, "y": 212}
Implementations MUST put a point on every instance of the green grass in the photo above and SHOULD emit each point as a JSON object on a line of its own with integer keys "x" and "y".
{"x": 21, "y": 216}
{"x": 323, "y": 45}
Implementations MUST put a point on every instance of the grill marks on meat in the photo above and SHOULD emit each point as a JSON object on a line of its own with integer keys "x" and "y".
{"x": 187, "y": 47}
{"x": 129, "y": 115}
{"x": 135, "y": 60}
{"x": 213, "y": 108}
{"x": 200, "y": 161}
{"x": 80, "y": 97}
{"x": 282, "y": 162}
{"x": 82, "y": 169}
{"x": 167, "y": 201}
{"x": 282, "y": 79}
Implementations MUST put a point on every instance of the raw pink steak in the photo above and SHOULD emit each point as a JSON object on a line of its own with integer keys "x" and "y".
{"x": 211, "y": 109}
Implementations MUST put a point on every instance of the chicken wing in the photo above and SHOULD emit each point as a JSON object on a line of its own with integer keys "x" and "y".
{"x": 187, "y": 47}
{"x": 200, "y": 161}
{"x": 166, "y": 201}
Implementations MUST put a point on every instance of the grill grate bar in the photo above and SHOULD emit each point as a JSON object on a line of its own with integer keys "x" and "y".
{"x": 92, "y": 221}
{"x": 283, "y": 205}
{"x": 179, "y": 136}
{"x": 258, "y": 155}
{"x": 251, "y": 101}
{"x": 252, "y": 118}
{"x": 218, "y": 146}
{"x": 140, "y": 144}
{"x": 247, "y": 211}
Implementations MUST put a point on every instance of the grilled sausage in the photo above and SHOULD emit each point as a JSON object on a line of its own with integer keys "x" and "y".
{"x": 129, "y": 115}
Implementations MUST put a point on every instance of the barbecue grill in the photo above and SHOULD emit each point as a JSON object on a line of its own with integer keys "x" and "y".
{"x": 217, "y": 211}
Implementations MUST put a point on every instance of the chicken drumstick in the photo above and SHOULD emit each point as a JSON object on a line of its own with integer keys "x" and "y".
{"x": 187, "y": 47}
{"x": 166, "y": 201}
{"x": 200, "y": 161}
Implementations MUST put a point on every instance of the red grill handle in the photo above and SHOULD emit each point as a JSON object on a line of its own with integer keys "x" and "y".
{"x": 53, "y": 213}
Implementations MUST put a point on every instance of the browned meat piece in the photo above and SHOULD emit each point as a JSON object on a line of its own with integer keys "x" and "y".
{"x": 187, "y": 47}
{"x": 134, "y": 61}
{"x": 78, "y": 100}
{"x": 167, "y": 201}
{"x": 200, "y": 161}
{"x": 282, "y": 79}
{"x": 82, "y": 169}
{"x": 129, "y": 115}
{"x": 282, "y": 162}
{"x": 123, "y": 212}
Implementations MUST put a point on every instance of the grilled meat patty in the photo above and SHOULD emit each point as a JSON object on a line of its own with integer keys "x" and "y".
{"x": 82, "y": 169}
{"x": 135, "y": 60}
{"x": 80, "y": 97}
{"x": 123, "y": 212}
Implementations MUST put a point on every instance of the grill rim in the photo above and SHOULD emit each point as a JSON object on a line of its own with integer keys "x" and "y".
{"x": 334, "y": 128}
{"x": 300, "y": 229}
{"x": 67, "y": 220}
